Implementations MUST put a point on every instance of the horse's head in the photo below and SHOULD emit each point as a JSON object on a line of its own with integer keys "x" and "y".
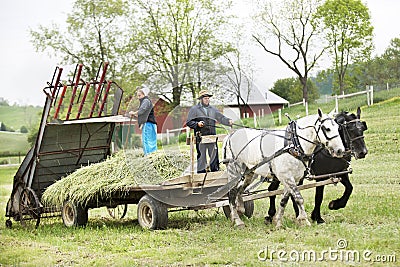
{"x": 328, "y": 134}
{"x": 320, "y": 129}
{"x": 351, "y": 130}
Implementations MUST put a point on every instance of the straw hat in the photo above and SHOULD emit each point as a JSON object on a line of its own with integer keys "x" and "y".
{"x": 204, "y": 93}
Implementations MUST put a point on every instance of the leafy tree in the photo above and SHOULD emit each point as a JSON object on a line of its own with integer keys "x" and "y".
{"x": 96, "y": 32}
{"x": 4, "y": 102}
{"x": 391, "y": 56}
{"x": 173, "y": 33}
{"x": 291, "y": 89}
{"x": 349, "y": 31}
{"x": 3, "y": 127}
{"x": 292, "y": 27}
{"x": 324, "y": 82}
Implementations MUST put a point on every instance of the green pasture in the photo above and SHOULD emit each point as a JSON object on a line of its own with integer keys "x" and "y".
{"x": 15, "y": 116}
{"x": 12, "y": 143}
{"x": 365, "y": 233}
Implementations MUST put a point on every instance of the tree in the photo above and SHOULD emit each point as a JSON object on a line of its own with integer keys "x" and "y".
{"x": 96, "y": 32}
{"x": 348, "y": 30}
{"x": 241, "y": 73}
{"x": 293, "y": 28}
{"x": 392, "y": 58}
{"x": 172, "y": 34}
{"x": 23, "y": 129}
{"x": 291, "y": 89}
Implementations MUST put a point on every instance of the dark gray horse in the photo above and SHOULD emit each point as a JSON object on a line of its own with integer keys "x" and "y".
{"x": 351, "y": 130}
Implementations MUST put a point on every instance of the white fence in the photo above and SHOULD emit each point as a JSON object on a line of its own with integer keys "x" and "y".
{"x": 171, "y": 132}
{"x": 369, "y": 92}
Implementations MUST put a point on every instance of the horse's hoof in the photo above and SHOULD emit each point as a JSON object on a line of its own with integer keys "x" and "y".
{"x": 303, "y": 221}
{"x": 239, "y": 224}
{"x": 277, "y": 223}
{"x": 268, "y": 220}
{"x": 333, "y": 205}
{"x": 317, "y": 218}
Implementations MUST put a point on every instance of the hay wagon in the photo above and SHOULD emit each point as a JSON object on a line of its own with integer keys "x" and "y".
{"x": 83, "y": 137}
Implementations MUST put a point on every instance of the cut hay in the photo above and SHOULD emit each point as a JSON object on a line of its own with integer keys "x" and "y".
{"x": 124, "y": 170}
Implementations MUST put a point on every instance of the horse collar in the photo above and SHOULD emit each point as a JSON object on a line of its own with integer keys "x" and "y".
{"x": 293, "y": 142}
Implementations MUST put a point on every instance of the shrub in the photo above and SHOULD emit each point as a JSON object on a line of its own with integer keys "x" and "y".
{"x": 24, "y": 129}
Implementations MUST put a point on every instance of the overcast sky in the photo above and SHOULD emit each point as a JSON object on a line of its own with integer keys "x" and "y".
{"x": 24, "y": 73}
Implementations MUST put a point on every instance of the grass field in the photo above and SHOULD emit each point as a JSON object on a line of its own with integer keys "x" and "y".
{"x": 15, "y": 116}
{"x": 13, "y": 143}
{"x": 365, "y": 233}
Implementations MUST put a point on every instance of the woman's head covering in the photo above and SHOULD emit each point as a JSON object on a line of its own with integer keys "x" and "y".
{"x": 144, "y": 89}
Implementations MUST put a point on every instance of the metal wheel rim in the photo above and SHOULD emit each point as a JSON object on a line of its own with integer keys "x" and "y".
{"x": 146, "y": 215}
{"x": 68, "y": 212}
{"x": 29, "y": 209}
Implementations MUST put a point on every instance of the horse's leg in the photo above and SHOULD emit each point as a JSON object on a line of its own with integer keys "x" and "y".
{"x": 302, "y": 217}
{"x": 278, "y": 217}
{"x": 295, "y": 207}
{"x": 272, "y": 210}
{"x": 348, "y": 189}
{"x": 316, "y": 213}
{"x": 233, "y": 170}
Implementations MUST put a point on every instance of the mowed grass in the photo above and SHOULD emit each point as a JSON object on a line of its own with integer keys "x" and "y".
{"x": 368, "y": 227}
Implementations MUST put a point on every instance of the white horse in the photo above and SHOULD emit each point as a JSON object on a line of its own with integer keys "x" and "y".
{"x": 277, "y": 154}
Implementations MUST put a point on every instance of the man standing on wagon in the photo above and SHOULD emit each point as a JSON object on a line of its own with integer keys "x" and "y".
{"x": 147, "y": 120}
{"x": 202, "y": 118}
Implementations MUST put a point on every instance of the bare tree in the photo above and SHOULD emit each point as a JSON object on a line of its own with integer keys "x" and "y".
{"x": 294, "y": 34}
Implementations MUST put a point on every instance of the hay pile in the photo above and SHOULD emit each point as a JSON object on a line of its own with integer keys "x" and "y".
{"x": 118, "y": 173}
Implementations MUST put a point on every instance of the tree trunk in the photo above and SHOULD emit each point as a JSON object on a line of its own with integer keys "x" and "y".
{"x": 303, "y": 81}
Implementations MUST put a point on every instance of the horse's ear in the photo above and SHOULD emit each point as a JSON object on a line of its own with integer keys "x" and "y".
{"x": 358, "y": 113}
{"x": 332, "y": 113}
{"x": 320, "y": 113}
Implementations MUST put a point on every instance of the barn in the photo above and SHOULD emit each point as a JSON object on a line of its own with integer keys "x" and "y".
{"x": 258, "y": 103}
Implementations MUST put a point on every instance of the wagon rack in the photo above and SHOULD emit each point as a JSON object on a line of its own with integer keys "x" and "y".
{"x": 72, "y": 134}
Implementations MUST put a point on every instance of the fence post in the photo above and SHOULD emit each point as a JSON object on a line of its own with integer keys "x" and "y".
{"x": 187, "y": 132}
{"x": 255, "y": 120}
{"x": 280, "y": 116}
{"x": 336, "y": 104}
{"x": 306, "y": 104}
{"x": 372, "y": 94}
{"x": 167, "y": 136}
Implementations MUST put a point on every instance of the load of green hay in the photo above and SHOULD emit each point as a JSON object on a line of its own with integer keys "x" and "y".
{"x": 118, "y": 173}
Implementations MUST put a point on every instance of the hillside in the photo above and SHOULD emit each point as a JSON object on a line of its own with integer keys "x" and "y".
{"x": 15, "y": 116}
{"x": 13, "y": 144}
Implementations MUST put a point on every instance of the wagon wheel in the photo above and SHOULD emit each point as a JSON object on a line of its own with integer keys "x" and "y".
{"x": 118, "y": 212}
{"x": 151, "y": 213}
{"x": 248, "y": 209}
{"x": 29, "y": 208}
{"x": 73, "y": 214}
